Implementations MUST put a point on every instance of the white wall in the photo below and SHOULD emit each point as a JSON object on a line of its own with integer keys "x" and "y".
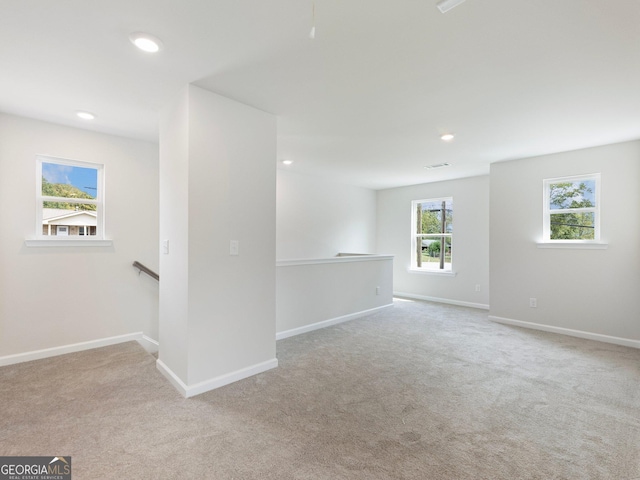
{"x": 37, "y": 285}
{"x": 218, "y": 183}
{"x": 470, "y": 240}
{"x": 318, "y": 218}
{"x": 585, "y": 290}
{"x": 317, "y": 294}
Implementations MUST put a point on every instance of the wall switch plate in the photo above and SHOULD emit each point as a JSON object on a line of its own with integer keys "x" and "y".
{"x": 377, "y": 290}
{"x": 165, "y": 247}
{"x": 533, "y": 302}
{"x": 234, "y": 247}
{"x": 478, "y": 287}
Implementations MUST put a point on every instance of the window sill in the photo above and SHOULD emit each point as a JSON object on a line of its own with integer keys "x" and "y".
{"x": 447, "y": 273}
{"x": 574, "y": 245}
{"x": 49, "y": 242}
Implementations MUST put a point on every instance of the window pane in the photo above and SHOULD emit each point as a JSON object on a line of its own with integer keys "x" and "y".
{"x": 572, "y": 194}
{"x": 431, "y": 252}
{"x": 432, "y": 214}
{"x": 69, "y": 206}
{"x": 572, "y": 226}
{"x": 69, "y": 181}
{"x": 78, "y": 219}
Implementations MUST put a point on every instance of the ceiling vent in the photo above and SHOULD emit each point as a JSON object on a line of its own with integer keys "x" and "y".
{"x": 437, "y": 165}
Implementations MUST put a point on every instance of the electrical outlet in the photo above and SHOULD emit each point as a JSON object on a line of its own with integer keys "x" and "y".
{"x": 533, "y": 302}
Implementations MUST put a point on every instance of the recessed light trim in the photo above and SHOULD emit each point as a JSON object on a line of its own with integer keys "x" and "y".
{"x": 447, "y": 137}
{"x": 287, "y": 162}
{"x": 146, "y": 42}
{"x": 85, "y": 115}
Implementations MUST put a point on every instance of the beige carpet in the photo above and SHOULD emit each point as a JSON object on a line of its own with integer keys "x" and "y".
{"x": 419, "y": 391}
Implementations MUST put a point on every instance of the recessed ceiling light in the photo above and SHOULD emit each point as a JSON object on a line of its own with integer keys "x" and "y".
{"x": 447, "y": 137}
{"x": 85, "y": 115}
{"x": 145, "y": 42}
{"x": 287, "y": 162}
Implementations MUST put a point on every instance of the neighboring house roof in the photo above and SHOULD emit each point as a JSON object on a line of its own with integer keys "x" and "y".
{"x": 58, "y": 216}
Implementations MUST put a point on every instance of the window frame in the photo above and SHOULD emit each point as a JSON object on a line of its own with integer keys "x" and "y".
{"x": 415, "y": 235}
{"x": 547, "y": 211}
{"x": 45, "y": 240}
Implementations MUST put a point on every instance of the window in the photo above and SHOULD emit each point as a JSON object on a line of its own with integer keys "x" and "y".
{"x": 432, "y": 230}
{"x": 69, "y": 199}
{"x": 89, "y": 230}
{"x": 572, "y": 209}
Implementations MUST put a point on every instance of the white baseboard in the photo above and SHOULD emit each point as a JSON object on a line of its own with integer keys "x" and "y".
{"x": 627, "y": 342}
{"x": 188, "y": 391}
{"x": 145, "y": 341}
{"x": 460, "y": 303}
{"x": 327, "y": 323}
{"x": 148, "y": 343}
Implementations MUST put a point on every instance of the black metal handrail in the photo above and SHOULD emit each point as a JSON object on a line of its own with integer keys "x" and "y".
{"x": 146, "y": 270}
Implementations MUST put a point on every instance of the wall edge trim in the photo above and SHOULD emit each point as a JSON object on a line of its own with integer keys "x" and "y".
{"x": 172, "y": 377}
{"x": 625, "y": 342}
{"x": 75, "y": 347}
{"x": 189, "y": 391}
{"x": 148, "y": 343}
{"x": 345, "y": 258}
{"x": 460, "y": 303}
{"x": 328, "y": 323}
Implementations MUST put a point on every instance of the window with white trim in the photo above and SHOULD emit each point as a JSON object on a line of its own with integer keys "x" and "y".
{"x": 69, "y": 199}
{"x": 572, "y": 209}
{"x": 432, "y": 234}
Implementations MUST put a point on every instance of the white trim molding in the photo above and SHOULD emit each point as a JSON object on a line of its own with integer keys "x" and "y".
{"x": 188, "y": 391}
{"x": 327, "y": 323}
{"x": 97, "y": 201}
{"x": 77, "y": 347}
{"x": 148, "y": 343}
{"x": 594, "y": 208}
{"x": 67, "y": 243}
{"x": 340, "y": 258}
{"x": 424, "y": 271}
{"x": 460, "y": 303}
{"x": 576, "y": 245}
{"x": 626, "y": 342}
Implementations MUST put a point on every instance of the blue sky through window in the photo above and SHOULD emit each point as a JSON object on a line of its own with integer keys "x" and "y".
{"x": 86, "y": 179}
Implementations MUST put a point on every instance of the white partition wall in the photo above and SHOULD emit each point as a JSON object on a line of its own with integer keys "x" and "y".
{"x": 320, "y": 292}
{"x": 217, "y": 235}
{"x": 316, "y": 219}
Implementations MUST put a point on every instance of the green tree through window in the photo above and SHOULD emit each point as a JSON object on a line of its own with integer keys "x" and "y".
{"x": 572, "y": 208}
{"x": 433, "y": 230}
{"x": 66, "y": 191}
